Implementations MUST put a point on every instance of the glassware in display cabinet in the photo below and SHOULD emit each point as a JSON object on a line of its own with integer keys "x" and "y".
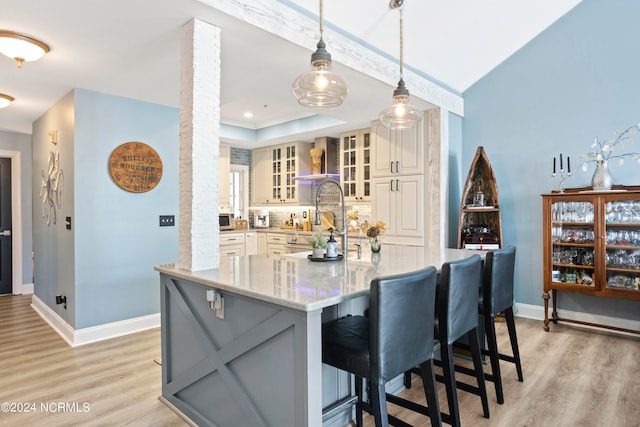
{"x": 591, "y": 246}
{"x": 572, "y": 236}
{"x": 622, "y": 240}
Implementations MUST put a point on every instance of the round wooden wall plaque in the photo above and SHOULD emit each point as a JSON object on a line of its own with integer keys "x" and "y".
{"x": 135, "y": 167}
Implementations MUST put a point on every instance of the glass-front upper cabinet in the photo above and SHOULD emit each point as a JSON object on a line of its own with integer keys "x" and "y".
{"x": 288, "y": 161}
{"x": 572, "y": 237}
{"x": 622, "y": 240}
{"x": 356, "y": 165}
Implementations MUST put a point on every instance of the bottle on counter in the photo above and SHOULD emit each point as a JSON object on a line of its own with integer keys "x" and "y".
{"x": 332, "y": 246}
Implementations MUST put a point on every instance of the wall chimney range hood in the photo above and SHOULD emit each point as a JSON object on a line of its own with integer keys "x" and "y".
{"x": 329, "y": 162}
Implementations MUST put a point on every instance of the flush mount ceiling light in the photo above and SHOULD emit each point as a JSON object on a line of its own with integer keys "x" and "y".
{"x": 401, "y": 114}
{"x": 5, "y": 100}
{"x": 321, "y": 87}
{"x": 21, "y": 48}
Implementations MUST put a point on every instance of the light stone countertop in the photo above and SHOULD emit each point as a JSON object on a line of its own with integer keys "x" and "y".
{"x": 295, "y": 282}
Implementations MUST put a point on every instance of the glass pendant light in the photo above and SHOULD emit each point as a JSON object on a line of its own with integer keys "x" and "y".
{"x": 401, "y": 114}
{"x": 321, "y": 87}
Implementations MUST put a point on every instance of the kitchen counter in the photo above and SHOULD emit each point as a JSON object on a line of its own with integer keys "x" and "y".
{"x": 261, "y": 363}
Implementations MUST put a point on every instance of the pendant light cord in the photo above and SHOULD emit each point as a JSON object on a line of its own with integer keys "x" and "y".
{"x": 321, "y": 18}
{"x": 401, "y": 40}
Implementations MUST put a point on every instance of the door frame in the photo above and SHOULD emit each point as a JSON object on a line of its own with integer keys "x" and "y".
{"x": 16, "y": 219}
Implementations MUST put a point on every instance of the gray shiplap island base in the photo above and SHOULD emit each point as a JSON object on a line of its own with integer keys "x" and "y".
{"x": 261, "y": 365}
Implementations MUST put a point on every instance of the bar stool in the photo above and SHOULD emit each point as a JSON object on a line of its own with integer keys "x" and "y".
{"x": 460, "y": 282}
{"x": 497, "y": 297}
{"x": 397, "y": 335}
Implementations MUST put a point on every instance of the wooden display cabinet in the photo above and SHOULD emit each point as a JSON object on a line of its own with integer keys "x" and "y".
{"x": 591, "y": 244}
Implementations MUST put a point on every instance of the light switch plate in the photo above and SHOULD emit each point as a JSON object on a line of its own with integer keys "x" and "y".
{"x": 167, "y": 220}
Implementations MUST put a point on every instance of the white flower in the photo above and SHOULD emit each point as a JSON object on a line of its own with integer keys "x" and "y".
{"x": 585, "y": 166}
{"x": 602, "y": 151}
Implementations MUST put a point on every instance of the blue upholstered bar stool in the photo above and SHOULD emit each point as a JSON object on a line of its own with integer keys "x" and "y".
{"x": 497, "y": 297}
{"x": 397, "y": 335}
{"x": 457, "y": 318}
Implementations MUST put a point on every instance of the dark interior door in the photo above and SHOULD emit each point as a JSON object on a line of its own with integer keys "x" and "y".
{"x": 5, "y": 227}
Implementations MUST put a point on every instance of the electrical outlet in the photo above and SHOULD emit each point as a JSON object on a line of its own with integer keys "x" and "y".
{"x": 61, "y": 299}
{"x": 167, "y": 220}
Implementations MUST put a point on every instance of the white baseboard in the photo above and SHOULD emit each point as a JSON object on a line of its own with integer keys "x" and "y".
{"x": 27, "y": 288}
{"x": 530, "y": 311}
{"x": 95, "y": 333}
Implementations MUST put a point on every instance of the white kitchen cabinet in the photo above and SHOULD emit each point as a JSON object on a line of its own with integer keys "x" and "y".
{"x": 355, "y": 163}
{"x": 232, "y": 244}
{"x": 276, "y": 243}
{"x": 398, "y": 152}
{"x": 224, "y": 171}
{"x": 273, "y": 172}
{"x": 262, "y": 243}
{"x": 399, "y": 203}
{"x": 260, "y": 176}
{"x": 251, "y": 243}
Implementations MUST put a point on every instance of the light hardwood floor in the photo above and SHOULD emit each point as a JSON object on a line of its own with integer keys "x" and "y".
{"x": 572, "y": 377}
{"x": 117, "y": 378}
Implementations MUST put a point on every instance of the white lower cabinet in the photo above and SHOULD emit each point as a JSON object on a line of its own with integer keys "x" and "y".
{"x": 251, "y": 243}
{"x": 399, "y": 203}
{"x": 232, "y": 244}
{"x": 262, "y": 243}
{"x": 276, "y": 243}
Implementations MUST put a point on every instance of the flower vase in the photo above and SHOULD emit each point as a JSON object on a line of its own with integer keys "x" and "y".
{"x": 318, "y": 253}
{"x": 602, "y": 179}
{"x": 376, "y": 245}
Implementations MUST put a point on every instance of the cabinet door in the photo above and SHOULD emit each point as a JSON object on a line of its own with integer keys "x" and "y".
{"x": 409, "y": 221}
{"x": 383, "y": 203}
{"x": 383, "y": 156}
{"x": 262, "y": 243}
{"x": 397, "y": 152}
{"x": 355, "y": 148}
{"x": 251, "y": 243}
{"x": 622, "y": 247}
{"x": 409, "y": 151}
{"x": 398, "y": 202}
{"x": 261, "y": 176}
{"x": 574, "y": 251}
{"x": 276, "y": 175}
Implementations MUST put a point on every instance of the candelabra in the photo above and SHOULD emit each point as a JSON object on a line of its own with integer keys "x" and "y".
{"x": 562, "y": 176}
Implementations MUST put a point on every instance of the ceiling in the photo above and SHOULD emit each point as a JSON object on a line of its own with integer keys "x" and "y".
{"x": 130, "y": 48}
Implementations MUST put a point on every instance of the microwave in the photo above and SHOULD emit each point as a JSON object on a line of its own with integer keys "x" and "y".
{"x": 225, "y": 220}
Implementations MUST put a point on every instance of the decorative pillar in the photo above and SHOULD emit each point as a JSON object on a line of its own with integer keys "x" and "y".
{"x": 198, "y": 233}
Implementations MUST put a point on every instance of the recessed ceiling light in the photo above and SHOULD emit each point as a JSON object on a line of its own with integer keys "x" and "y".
{"x": 248, "y": 115}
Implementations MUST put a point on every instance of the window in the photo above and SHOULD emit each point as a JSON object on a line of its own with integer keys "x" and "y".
{"x": 239, "y": 191}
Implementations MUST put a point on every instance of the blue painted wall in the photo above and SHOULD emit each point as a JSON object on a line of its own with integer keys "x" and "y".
{"x": 115, "y": 240}
{"x": 575, "y": 81}
{"x": 53, "y": 247}
{"x": 11, "y": 141}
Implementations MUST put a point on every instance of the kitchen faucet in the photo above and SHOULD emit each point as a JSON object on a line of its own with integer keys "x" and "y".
{"x": 342, "y": 233}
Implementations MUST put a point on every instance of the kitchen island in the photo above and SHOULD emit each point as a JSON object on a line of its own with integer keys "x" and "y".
{"x": 256, "y": 360}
